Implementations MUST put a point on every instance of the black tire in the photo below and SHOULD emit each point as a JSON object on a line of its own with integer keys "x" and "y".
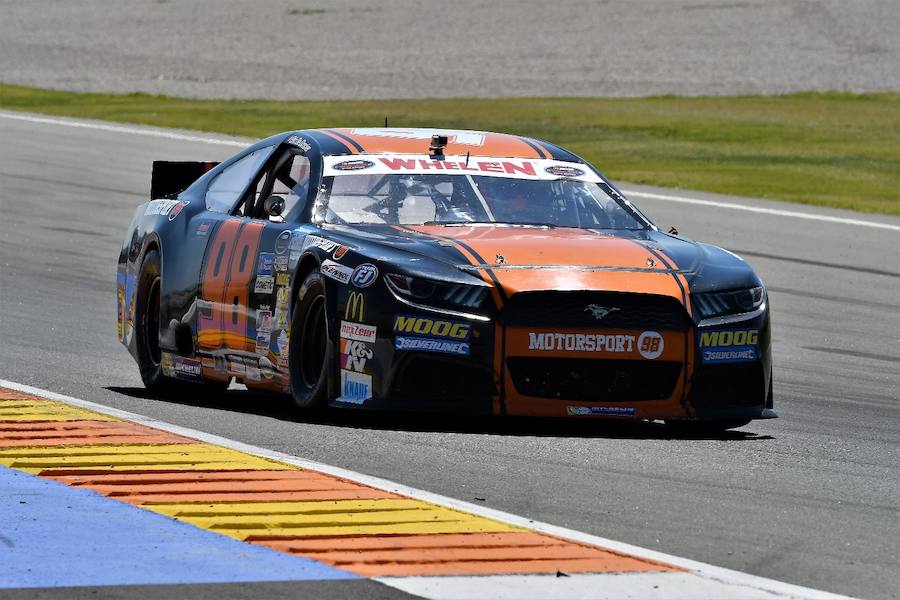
{"x": 146, "y": 322}
{"x": 310, "y": 344}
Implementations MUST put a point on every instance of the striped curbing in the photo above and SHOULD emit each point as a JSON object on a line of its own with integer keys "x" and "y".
{"x": 412, "y": 540}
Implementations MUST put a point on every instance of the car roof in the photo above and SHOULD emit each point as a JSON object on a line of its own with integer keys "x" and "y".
{"x": 398, "y": 140}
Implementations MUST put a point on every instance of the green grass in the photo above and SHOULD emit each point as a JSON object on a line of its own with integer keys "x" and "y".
{"x": 834, "y": 149}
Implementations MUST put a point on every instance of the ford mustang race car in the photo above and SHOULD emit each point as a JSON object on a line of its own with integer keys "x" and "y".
{"x": 413, "y": 269}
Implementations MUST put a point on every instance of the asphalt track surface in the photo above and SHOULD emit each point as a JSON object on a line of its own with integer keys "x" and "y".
{"x": 809, "y": 499}
{"x": 339, "y": 49}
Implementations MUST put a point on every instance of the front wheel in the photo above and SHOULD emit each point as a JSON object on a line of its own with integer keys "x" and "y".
{"x": 149, "y": 354}
{"x": 309, "y": 344}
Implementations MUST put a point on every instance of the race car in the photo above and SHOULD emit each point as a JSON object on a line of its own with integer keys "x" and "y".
{"x": 433, "y": 270}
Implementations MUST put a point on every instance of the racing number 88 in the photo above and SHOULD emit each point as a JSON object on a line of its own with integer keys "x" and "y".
{"x": 650, "y": 344}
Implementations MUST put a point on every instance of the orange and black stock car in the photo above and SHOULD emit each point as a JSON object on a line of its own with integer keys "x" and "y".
{"x": 416, "y": 269}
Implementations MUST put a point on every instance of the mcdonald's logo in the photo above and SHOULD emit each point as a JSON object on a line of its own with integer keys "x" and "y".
{"x": 355, "y": 309}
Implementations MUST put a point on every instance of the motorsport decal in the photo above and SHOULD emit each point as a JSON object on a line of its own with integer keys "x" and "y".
{"x": 432, "y": 335}
{"x": 281, "y": 262}
{"x": 649, "y": 344}
{"x": 296, "y": 140}
{"x": 171, "y": 208}
{"x": 339, "y": 252}
{"x": 203, "y": 228}
{"x": 520, "y": 168}
{"x": 365, "y": 275}
{"x": 359, "y": 332}
{"x": 354, "y": 354}
{"x": 356, "y": 388}
{"x": 607, "y": 411}
{"x": 265, "y": 284}
{"x": 264, "y": 266}
{"x": 355, "y": 309}
{"x": 283, "y": 241}
{"x": 180, "y": 367}
{"x": 336, "y": 271}
{"x": 352, "y": 165}
{"x": 727, "y": 346}
{"x": 431, "y": 345}
{"x": 321, "y": 243}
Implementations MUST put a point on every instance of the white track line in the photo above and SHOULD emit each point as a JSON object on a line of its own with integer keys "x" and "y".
{"x": 761, "y": 210}
{"x": 752, "y": 585}
{"x": 160, "y": 133}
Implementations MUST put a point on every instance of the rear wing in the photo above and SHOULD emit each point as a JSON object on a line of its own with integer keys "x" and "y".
{"x": 170, "y": 178}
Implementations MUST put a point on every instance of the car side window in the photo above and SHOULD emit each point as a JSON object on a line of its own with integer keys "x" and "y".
{"x": 292, "y": 184}
{"x": 225, "y": 190}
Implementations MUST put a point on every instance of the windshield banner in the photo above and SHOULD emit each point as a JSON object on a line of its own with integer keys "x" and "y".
{"x": 515, "y": 168}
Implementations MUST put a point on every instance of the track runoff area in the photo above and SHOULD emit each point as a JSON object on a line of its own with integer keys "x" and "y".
{"x": 95, "y": 496}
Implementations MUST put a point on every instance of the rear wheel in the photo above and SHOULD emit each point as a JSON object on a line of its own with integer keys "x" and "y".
{"x": 309, "y": 344}
{"x": 149, "y": 354}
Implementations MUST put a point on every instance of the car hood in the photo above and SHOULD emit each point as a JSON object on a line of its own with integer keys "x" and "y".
{"x": 525, "y": 258}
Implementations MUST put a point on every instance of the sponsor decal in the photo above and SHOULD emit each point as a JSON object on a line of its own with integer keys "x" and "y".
{"x": 160, "y": 207}
{"x": 266, "y": 368}
{"x": 615, "y": 411}
{"x": 598, "y": 312}
{"x": 434, "y": 328}
{"x": 264, "y": 264}
{"x": 336, "y": 271}
{"x": 431, "y": 345}
{"x": 321, "y": 243}
{"x": 420, "y": 164}
{"x": 580, "y": 342}
{"x": 264, "y": 321}
{"x": 365, "y": 275}
{"x": 280, "y": 318}
{"x": 564, "y": 171}
{"x": 203, "y": 228}
{"x": 264, "y": 284}
{"x": 354, "y": 354}
{"x": 281, "y": 298}
{"x": 356, "y": 388}
{"x": 651, "y": 344}
{"x": 281, "y": 262}
{"x": 339, "y": 252}
{"x": 262, "y": 343}
{"x": 282, "y": 341}
{"x": 358, "y": 331}
{"x": 182, "y": 368}
{"x": 727, "y": 346}
{"x": 297, "y": 238}
{"x": 355, "y": 309}
{"x": 282, "y": 280}
{"x": 176, "y": 210}
{"x": 353, "y": 165}
{"x": 296, "y": 140}
{"x": 283, "y": 242}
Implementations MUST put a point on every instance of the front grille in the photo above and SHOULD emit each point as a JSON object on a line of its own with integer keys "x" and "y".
{"x": 593, "y": 380}
{"x": 578, "y": 309}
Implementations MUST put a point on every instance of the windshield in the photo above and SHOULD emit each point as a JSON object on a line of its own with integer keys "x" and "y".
{"x": 417, "y": 199}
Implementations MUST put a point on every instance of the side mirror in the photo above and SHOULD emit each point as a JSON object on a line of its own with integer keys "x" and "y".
{"x": 273, "y": 206}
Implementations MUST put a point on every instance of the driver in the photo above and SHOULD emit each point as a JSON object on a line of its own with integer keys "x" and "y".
{"x": 511, "y": 200}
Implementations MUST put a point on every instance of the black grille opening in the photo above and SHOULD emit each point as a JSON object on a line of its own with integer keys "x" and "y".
{"x": 719, "y": 386}
{"x": 593, "y": 380}
{"x": 595, "y": 309}
{"x": 438, "y": 378}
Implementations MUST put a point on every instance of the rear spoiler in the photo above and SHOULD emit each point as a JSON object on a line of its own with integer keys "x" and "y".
{"x": 170, "y": 178}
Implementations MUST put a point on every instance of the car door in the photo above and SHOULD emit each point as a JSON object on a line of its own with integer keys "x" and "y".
{"x": 245, "y": 287}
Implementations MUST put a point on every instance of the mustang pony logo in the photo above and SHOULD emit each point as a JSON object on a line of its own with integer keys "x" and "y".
{"x": 598, "y": 312}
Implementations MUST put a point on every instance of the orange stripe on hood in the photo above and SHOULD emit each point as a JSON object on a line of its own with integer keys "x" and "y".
{"x": 536, "y": 259}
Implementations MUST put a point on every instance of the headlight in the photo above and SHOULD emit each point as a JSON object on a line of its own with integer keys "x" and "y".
{"x": 436, "y": 293}
{"x": 716, "y": 304}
